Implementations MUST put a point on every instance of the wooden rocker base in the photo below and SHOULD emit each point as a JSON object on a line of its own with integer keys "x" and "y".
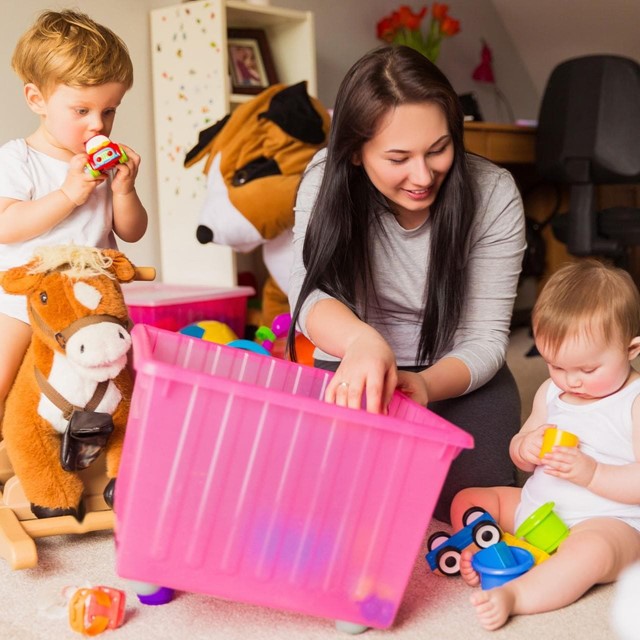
{"x": 19, "y": 527}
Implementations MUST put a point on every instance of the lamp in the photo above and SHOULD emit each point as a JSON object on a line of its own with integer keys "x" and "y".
{"x": 484, "y": 74}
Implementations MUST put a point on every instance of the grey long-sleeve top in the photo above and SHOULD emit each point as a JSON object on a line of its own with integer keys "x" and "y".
{"x": 400, "y": 262}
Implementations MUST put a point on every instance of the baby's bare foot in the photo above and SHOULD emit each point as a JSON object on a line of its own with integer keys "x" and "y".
{"x": 468, "y": 573}
{"x": 493, "y": 607}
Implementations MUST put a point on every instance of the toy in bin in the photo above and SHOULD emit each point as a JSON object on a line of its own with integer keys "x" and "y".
{"x": 103, "y": 155}
{"x": 238, "y": 480}
{"x": 444, "y": 549}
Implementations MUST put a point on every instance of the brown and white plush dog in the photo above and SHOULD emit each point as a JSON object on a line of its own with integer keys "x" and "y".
{"x": 255, "y": 158}
{"x": 77, "y": 360}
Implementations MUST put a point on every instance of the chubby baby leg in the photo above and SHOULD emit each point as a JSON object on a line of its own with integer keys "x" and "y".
{"x": 595, "y": 552}
{"x": 500, "y": 502}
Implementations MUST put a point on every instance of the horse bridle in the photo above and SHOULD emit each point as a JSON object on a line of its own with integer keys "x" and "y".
{"x": 62, "y": 337}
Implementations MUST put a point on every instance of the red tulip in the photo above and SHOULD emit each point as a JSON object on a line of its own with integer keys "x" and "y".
{"x": 450, "y": 26}
{"x": 439, "y": 11}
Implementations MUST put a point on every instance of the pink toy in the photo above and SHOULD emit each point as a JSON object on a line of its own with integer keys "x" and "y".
{"x": 173, "y": 306}
{"x": 239, "y": 481}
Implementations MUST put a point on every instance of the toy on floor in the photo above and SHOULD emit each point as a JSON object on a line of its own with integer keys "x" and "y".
{"x": 255, "y": 157}
{"x": 543, "y": 528}
{"x": 103, "y": 155}
{"x": 501, "y": 563}
{"x": 444, "y": 549}
{"x": 96, "y": 609}
{"x": 70, "y": 400}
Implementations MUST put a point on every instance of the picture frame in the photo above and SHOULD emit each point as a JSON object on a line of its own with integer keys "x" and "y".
{"x": 250, "y": 63}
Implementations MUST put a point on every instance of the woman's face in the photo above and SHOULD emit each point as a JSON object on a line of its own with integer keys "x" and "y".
{"x": 408, "y": 159}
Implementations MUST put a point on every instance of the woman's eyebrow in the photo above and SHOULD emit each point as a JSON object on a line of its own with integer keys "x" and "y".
{"x": 435, "y": 144}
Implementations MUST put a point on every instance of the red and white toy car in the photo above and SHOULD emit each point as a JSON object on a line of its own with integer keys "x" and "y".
{"x": 103, "y": 155}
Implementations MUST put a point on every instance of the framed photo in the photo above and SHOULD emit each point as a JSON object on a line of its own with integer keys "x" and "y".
{"x": 250, "y": 63}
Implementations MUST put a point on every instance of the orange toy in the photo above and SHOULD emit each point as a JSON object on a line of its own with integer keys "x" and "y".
{"x": 76, "y": 365}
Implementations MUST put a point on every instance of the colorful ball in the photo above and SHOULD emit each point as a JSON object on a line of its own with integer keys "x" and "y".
{"x": 211, "y": 331}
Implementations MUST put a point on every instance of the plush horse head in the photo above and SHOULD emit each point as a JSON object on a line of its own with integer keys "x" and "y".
{"x": 76, "y": 306}
{"x": 76, "y": 362}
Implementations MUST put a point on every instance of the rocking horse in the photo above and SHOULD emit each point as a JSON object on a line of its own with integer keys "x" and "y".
{"x": 66, "y": 413}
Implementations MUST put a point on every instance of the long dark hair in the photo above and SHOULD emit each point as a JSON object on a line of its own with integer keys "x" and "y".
{"x": 336, "y": 247}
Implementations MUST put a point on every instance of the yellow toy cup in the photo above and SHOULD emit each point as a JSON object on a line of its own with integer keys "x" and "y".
{"x": 557, "y": 437}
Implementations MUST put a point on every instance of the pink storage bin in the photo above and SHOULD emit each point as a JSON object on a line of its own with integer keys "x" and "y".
{"x": 173, "y": 306}
{"x": 239, "y": 481}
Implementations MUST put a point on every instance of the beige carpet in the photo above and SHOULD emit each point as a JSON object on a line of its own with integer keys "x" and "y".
{"x": 434, "y": 608}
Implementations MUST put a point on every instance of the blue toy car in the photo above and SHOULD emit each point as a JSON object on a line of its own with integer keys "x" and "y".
{"x": 445, "y": 549}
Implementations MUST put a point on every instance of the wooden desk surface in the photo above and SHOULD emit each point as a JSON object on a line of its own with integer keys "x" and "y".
{"x": 501, "y": 143}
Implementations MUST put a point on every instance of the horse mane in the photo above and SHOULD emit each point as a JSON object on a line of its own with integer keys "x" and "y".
{"x": 74, "y": 261}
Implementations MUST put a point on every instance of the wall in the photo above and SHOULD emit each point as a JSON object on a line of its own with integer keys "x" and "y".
{"x": 344, "y": 32}
{"x": 345, "y": 29}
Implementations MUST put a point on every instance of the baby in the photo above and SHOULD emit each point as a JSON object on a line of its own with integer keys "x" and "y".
{"x": 586, "y": 323}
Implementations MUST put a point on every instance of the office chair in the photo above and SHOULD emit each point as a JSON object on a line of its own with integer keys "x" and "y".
{"x": 589, "y": 134}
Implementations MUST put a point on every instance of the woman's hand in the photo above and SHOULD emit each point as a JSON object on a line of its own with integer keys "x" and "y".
{"x": 368, "y": 366}
{"x": 413, "y": 385}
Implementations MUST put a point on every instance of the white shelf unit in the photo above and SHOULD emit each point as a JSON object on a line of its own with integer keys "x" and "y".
{"x": 191, "y": 91}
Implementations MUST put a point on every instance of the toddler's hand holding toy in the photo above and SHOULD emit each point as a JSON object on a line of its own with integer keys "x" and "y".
{"x": 124, "y": 180}
{"x": 79, "y": 184}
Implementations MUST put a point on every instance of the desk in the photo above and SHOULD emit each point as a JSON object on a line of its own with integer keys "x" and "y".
{"x": 501, "y": 143}
{"x": 515, "y": 148}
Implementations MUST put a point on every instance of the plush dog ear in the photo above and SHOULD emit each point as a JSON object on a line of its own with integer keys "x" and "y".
{"x": 20, "y": 280}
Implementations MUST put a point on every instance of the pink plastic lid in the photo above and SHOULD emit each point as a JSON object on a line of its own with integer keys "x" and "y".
{"x": 156, "y": 294}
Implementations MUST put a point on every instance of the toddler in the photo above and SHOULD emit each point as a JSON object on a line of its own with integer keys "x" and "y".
{"x": 75, "y": 74}
{"x": 586, "y": 323}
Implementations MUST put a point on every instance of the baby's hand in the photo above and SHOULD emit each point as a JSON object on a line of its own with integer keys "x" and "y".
{"x": 79, "y": 184}
{"x": 530, "y": 445}
{"x": 124, "y": 180}
{"x": 570, "y": 464}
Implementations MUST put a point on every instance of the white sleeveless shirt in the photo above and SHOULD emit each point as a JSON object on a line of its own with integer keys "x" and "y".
{"x": 604, "y": 428}
{"x": 27, "y": 174}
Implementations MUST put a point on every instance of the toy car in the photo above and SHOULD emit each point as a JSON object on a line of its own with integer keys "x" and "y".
{"x": 103, "y": 155}
{"x": 93, "y": 610}
{"x": 445, "y": 549}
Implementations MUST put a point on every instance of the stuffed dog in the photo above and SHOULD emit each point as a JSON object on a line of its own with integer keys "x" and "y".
{"x": 255, "y": 160}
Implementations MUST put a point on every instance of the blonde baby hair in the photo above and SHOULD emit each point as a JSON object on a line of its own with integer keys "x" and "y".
{"x": 588, "y": 298}
{"x": 68, "y": 47}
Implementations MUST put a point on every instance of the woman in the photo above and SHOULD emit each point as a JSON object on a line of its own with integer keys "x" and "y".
{"x": 407, "y": 257}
